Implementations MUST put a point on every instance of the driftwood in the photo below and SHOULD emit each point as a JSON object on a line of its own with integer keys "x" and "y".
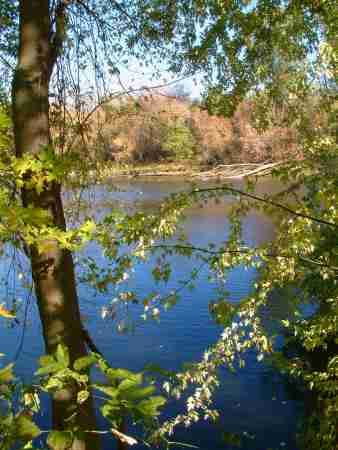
{"x": 222, "y": 171}
{"x": 237, "y": 171}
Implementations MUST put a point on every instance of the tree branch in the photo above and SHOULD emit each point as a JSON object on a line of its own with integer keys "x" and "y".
{"x": 58, "y": 36}
{"x": 6, "y": 63}
{"x": 118, "y": 94}
{"x": 125, "y": 13}
{"x": 240, "y": 251}
{"x": 267, "y": 201}
{"x": 90, "y": 343}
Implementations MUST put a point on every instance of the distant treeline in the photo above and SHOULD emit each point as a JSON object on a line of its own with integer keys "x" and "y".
{"x": 154, "y": 128}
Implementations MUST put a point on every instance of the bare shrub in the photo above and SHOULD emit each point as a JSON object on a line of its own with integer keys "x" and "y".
{"x": 249, "y": 145}
{"x": 212, "y": 134}
{"x": 152, "y": 128}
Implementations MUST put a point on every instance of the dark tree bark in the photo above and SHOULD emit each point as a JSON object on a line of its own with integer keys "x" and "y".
{"x": 53, "y": 271}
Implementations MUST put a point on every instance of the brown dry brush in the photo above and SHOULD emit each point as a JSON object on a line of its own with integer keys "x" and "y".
{"x": 134, "y": 130}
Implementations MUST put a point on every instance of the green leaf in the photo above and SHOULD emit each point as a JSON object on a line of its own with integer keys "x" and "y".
{"x": 109, "y": 410}
{"x": 26, "y": 428}
{"x": 108, "y": 390}
{"x": 6, "y": 374}
{"x": 78, "y": 377}
{"x": 54, "y": 383}
{"x": 29, "y": 445}
{"x": 120, "y": 373}
{"x": 60, "y": 440}
{"x": 150, "y": 407}
{"x": 82, "y": 396}
{"x": 156, "y": 369}
{"x": 32, "y": 401}
{"x": 84, "y": 362}
{"x": 62, "y": 355}
{"x": 136, "y": 393}
{"x": 52, "y": 368}
{"x": 130, "y": 382}
{"x": 46, "y": 360}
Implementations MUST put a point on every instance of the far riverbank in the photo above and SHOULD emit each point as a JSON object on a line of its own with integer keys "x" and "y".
{"x": 189, "y": 170}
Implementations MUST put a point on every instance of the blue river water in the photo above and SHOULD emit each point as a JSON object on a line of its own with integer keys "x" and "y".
{"x": 256, "y": 402}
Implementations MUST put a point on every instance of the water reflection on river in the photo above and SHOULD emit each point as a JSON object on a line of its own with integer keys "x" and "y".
{"x": 255, "y": 402}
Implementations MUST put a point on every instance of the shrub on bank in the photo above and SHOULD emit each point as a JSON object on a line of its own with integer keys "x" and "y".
{"x": 157, "y": 128}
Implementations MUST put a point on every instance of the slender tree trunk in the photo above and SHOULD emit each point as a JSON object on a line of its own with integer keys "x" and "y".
{"x": 53, "y": 271}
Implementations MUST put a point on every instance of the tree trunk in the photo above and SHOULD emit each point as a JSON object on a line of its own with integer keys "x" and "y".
{"x": 53, "y": 271}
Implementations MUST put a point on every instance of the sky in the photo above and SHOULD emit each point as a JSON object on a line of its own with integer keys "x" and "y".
{"x": 136, "y": 77}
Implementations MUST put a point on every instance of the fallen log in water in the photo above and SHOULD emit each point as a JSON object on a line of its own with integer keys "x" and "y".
{"x": 237, "y": 171}
{"x": 222, "y": 171}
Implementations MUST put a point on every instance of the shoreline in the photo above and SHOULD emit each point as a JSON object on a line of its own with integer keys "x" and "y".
{"x": 220, "y": 172}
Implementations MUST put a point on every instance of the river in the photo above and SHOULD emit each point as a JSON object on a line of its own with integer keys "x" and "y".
{"x": 256, "y": 402}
